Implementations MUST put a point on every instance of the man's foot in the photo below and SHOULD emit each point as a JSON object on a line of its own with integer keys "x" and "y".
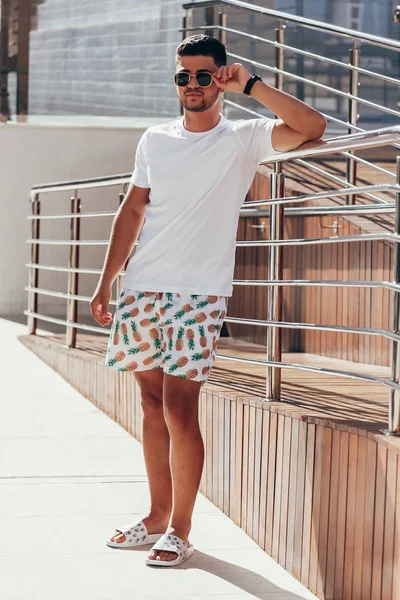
{"x": 152, "y": 526}
{"x": 165, "y": 554}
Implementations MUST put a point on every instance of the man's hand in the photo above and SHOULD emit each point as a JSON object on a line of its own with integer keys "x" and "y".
{"x": 232, "y": 78}
{"x": 99, "y": 304}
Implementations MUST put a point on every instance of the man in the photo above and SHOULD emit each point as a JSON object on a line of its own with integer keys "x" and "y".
{"x": 190, "y": 180}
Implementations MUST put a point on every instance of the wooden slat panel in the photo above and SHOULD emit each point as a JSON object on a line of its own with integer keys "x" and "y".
{"x": 226, "y": 455}
{"x": 250, "y": 473}
{"x": 362, "y": 294}
{"x": 239, "y": 462}
{"x": 221, "y": 429}
{"x": 345, "y": 292}
{"x": 333, "y": 513}
{"x": 324, "y": 509}
{"x": 377, "y": 557}
{"x": 308, "y": 504}
{"x": 306, "y": 291}
{"x": 341, "y": 515}
{"x": 285, "y": 491}
{"x": 350, "y": 517}
{"x": 269, "y": 522}
{"x": 396, "y": 553}
{"x": 359, "y": 518}
{"x": 214, "y": 454}
{"x": 388, "y": 544}
{"x": 300, "y": 498}
{"x": 337, "y": 349}
{"x": 316, "y": 508}
{"x": 234, "y": 484}
{"x": 264, "y": 477}
{"x": 291, "y": 512}
{"x": 258, "y": 448}
{"x": 245, "y": 466}
{"x": 325, "y": 292}
{"x": 369, "y": 516}
{"x": 278, "y": 487}
{"x": 368, "y": 302}
{"x": 332, "y": 297}
{"x": 209, "y": 445}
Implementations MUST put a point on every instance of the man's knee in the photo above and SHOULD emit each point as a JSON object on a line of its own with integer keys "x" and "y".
{"x": 151, "y": 391}
{"x": 181, "y": 402}
{"x": 152, "y": 404}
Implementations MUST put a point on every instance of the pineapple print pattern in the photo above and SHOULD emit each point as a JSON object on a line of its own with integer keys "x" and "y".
{"x": 171, "y": 331}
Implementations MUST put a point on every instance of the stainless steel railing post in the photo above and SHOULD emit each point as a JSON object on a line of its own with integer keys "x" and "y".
{"x": 394, "y": 400}
{"x": 354, "y": 82}
{"x": 279, "y": 56}
{"x": 187, "y": 22}
{"x": 222, "y": 22}
{"x": 275, "y": 272}
{"x": 34, "y": 273}
{"x": 72, "y": 303}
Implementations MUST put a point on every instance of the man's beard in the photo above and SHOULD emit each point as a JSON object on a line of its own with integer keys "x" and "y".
{"x": 202, "y": 106}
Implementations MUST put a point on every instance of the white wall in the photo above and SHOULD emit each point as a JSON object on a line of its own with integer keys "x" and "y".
{"x": 37, "y": 153}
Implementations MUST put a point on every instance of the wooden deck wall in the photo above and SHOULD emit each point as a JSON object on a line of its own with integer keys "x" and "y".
{"x": 319, "y": 494}
{"x": 355, "y": 307}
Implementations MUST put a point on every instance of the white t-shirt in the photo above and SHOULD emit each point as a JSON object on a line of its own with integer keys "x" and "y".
{"x": 198, "y": 183}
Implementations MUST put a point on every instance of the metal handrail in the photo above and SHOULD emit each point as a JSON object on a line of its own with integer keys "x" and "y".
{"x": 354, "y": 141}
{"x": 352, "y": 68}
{"x": 379, "y": 137}
{"x": 295, "y": 50}
{"x": 244, "y": 282}
{"x": 310, "y": 165}
{"x": 309, "y": 23}
{"x": 316, "y": 84}
{"x": 282, "y": 365}
{"x": 328, "y": 117}
{"x": 328, "y": 194}
{"x": 273, "y": 208}
{"x": 255, "y": 322}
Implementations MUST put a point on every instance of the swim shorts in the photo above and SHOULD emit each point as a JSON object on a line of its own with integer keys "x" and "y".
{"x": 173, "y": 331}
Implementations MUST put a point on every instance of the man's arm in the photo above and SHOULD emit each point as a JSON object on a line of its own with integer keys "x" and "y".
{"x": 125, "y": 230}
{"x": 298, "y": 122}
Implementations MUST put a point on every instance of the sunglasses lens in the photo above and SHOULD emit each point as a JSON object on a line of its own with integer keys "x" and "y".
{"x": 181, "y": 79}
{"x": 204, "y": 79}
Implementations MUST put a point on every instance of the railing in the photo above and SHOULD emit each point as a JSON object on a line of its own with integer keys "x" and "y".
{"x": 274, "y": 283}
{"x": 218, "y": 24}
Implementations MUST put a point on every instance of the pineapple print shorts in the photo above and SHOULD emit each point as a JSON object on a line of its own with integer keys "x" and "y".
{"x": 160, "y": 330}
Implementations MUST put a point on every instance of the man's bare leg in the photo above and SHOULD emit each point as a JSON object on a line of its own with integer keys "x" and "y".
{"x": 186, "y": 454}
{"x": 156, "y": 449}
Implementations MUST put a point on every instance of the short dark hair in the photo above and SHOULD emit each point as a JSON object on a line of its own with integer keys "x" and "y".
{"x": 205, "y": 45}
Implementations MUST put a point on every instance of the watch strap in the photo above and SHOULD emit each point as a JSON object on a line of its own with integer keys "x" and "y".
{"x": 250, "y": 84}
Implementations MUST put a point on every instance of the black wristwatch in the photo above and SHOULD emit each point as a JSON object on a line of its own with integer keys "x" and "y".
{"x": 250, "y": 83}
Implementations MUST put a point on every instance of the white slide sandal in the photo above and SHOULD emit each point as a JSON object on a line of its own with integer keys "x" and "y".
{"x": 136, "y": 535}
{"x": 171, "y": 543}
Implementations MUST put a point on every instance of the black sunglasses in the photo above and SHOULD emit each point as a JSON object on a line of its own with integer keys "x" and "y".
{"x": 203, "y": 78}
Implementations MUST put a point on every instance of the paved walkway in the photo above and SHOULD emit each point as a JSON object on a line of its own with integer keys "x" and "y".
{"x": 69, "y": 475}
